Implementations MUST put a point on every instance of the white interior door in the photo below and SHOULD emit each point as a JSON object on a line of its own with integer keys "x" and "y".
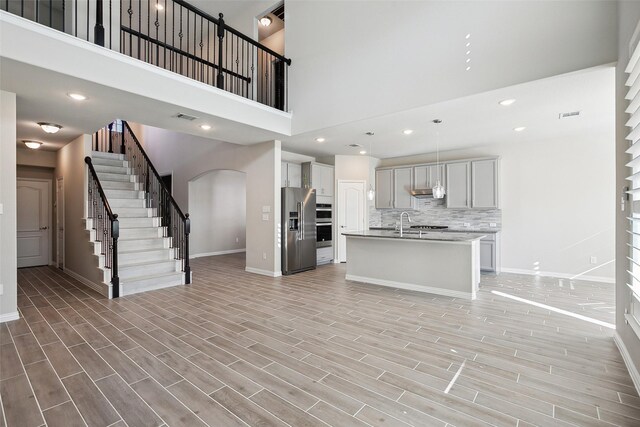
{"x": 33, "y": 222}
{"x": 351, "y": 213}
{"x": 60, "y": 223}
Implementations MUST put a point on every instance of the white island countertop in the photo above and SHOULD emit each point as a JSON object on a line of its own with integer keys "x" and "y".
{"x": 435, "y": 262}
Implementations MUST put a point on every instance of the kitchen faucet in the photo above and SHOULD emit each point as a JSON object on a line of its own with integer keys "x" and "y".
{"x": 408, "y": 219}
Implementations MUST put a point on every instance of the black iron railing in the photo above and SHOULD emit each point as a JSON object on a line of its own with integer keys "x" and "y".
{"x": 174, "y": 35}
{"x": 105, "y": 225}
{"x": 118, "y": 138}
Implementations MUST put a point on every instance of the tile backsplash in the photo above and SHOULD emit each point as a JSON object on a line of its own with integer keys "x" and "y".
{"x": 428, "y": 211}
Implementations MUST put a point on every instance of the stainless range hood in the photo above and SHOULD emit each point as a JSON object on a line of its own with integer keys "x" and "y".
{"x": 422, "y": 192}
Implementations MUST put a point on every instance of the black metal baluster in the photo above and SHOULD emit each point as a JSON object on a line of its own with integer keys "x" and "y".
{"x": 110, "y": 24}
{"x": 180, "y": 36}
{"x": 139, "y": 27}
{"x": 38, "y": 13}
{"x": 51, "y": 13}
{"x": 76, "y": 18}
{"x": 220, "y": 81}
{"x": 164, "y": 39}
{"x": 147, "y": 50}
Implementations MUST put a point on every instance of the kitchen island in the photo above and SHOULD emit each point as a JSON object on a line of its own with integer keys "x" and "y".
{"x": 433, "y": 262}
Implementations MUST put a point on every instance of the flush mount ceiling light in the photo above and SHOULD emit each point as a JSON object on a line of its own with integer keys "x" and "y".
{"x": 49, "y": 127}
{"x": 34, "y": 145}
{"x": 265, "y": 21}
{"x": 77, "y": 96}
{"x": 468, "y": 36}
{"x": 438, "y": 189}
{"x": 320, "y": 140}
{"x": 519, "y": 128}
{"x": 407, "y": 131}
{"x": 205, "y": 127}
{"x": 363, "y": 151}
{"x": 507, "y": 102}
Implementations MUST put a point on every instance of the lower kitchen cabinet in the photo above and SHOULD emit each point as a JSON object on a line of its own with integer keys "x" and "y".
{"x": 489, "y": 253}
{"x": 324, "y": 255}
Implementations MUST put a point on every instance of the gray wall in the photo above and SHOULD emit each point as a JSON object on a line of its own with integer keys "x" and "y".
{"x": 8, "y": 224}
{"x": 218, "y": 211}
{"x": 629, "y": 14}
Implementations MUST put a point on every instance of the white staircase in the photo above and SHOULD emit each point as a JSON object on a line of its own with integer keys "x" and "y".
{"x": 146, "y": 260}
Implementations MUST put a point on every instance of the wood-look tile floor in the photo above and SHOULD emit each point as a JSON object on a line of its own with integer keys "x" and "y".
{"x": 236, "y": 349}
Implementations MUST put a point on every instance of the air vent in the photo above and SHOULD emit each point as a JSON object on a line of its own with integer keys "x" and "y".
{"x": 354, "y": 145}
{"x": 567, "y": 115}
{"x": 279, "y": 12}
{"x": 186, "y": 117}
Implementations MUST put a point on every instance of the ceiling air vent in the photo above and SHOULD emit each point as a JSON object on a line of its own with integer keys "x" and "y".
{"x": 354, "y": 145}
{"x": 567, "y": 115}
{"x": 186, "y": 117}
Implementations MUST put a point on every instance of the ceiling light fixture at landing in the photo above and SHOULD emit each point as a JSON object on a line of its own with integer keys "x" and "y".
{"x": 34, "y": 145}
{"x": 363, "y": 152}
{"x": 519, "y": 128}
{"x": 320, "y": 140}
{"x": 507, "y": 102}
{"x": 49, "y": 127}
{"x": 159, "y": 6}
{"x": 205, "y": 127}
{"x": 265, "y": 21}
{"x": 407, "y": 131}
{"x": 77, "y": 96}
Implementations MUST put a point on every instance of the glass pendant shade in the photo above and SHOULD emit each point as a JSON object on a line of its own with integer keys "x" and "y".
{"x": 371, "y": 194}
{"x": 438, "y": 190}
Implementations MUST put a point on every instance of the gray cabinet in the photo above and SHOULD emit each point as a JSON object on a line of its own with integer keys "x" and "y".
{"x": 384, "y": 188}
{"x": 291, "y": 175}
{"x": 426, "y": 176}
{"x": 484, "y": 184}
{"x": 320, "y": 177}
{"x": 489, "y": 253}
{"x": 402, "y": 185}
{"x": 458, "y": 186}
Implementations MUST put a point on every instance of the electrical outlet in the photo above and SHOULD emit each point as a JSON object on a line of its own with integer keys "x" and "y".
{"x": 265, "y": 217}
{"x": 237, "y": 239}
{"x": 466, "y": 224}
{"x": 1, "y": 289}
{"x": 264, "y": 255}
{"x": 1, "y": 208}
{"x": 594, "y": 260}
{"x": 493, "y": 224}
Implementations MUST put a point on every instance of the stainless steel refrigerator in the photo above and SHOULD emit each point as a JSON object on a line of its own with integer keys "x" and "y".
{"x": 298, "y": 229}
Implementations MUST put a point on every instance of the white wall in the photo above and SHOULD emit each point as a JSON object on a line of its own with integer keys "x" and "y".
{"x": 353, "y": 60}
{"x": 275, "y": 42}
{"x": 629, "y": 14}
{"x": 218, "y": 211}
{"x": 78, "y": 256}
{"x": 556, "y": 197}
{"x": 40, "y": 158}
{"x": 189, "y": 156}
{"x": 8, "y": 219}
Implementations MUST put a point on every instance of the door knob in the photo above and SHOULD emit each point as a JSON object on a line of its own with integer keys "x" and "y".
{"x": 44, "y": 228}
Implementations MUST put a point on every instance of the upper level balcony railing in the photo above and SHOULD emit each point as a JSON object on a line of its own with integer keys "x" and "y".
{"x": 173, "y": 35}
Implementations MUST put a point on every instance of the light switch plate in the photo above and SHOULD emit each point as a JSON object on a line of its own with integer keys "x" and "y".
{"x": 1, "y": 289}
{"x": 265, "y": 217}
{"x": 266, "y": 209}
{"x": 1, "y": 208}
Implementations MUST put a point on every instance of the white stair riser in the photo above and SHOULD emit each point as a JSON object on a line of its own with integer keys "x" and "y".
{"x": 103, "y": 155}
{"x": 139, "y": 222}
{"x": 143, "y": 285}
{"x": 123, "y": 194}
{"x": 125, "y": 272}
{"x": 119, "y": 185}
{"x": 133, "y": 212}
{"x": 151, "y": 255}
{"x": 109, "y": 162}
{"x": 127, "y": 203}
{"x": 140, "y": 233}
{"x": 140, "y": 244}
{"x": 103, "y": 176}
{"x": 112, "y": 169}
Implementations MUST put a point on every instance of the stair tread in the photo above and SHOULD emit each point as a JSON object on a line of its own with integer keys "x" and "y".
{"x": 143, "y": 250}
{"x": 145, "y": 263}
{"x": 131, "y": 239}
{"x": 151, "y": 276}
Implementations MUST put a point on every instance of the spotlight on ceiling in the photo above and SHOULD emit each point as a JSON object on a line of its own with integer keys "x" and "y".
{"x": 205, "y": 127}
{"x": 507, "y": 102}
{"x": 519, "y": 128}
{"x": 77, "y": 96}
{"x": 320, "y": 140}
{"x": 407, "y": 131}
{"x": 34, "y": 145}
{"x": 265, "y": 21}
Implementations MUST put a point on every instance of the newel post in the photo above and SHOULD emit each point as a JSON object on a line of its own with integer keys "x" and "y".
{"x": 115, "y": 279}
{"x": 220, "y": 80}
{"x": 98, "y": 30}
{"x": 187, "y": 230}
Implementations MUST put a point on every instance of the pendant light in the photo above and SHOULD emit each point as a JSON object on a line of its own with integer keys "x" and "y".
{"x": 438, "y": 189}
{"x": 371, "y": 194}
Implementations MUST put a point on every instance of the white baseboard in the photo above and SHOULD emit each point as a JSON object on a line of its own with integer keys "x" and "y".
{"x": 231, "y": 251}
{"x": 600, "y": 279}
{"x": 633, "y": 370}
{"x": 263, "y": 272}
{"x": 9, "y": 317}
{"x": 412, "y": 287}
{"x": 101, "y": 288}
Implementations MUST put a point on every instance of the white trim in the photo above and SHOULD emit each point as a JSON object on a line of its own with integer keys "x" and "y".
{"x": 633, "y": 323}
{"x": 231, "y": 251}
{"x": 413, "y": 287}
{"x": 9, "y": 317}
{"x": 60, "y": 221}
{"x": 600, "y": 279}
{"x": 263, "y": 272}
{"x": 633, "y": 370}
{"x": 102, "y": 288}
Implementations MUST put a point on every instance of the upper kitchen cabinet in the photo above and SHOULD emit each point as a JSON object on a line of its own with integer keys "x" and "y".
{"x": 426, "y": 176}
{"x": 484, "y": 184}
{"x": 384, "y": 188}
{"x": 458, "y": 188}
{"x": 402, "y": 186}
{"x": 291, "y": 175}
{"x": 318, "y": 176}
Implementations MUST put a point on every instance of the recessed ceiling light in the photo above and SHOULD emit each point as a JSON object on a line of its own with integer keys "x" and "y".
{"x": 507, "y": 102}
{"x": 468, "y": 44}
{"x": 159, "y": 6}
{"x": 34, "y": 145}
{"x": 77, "y": 96}
{"x": 467, "y": 36}
{"x": 468, "y": 60}
{"x": 265, "y": 21}
{"x": 49, "y": 127}
{"x": 363, "y": 152}
{"x": 519, "y": 128}
{"x": 407, "y": 131}
{"x": 468, "y": 52}
{"x": 320, "y": 139}
{"x": 468, "y": 68}
{"x": 205, "y": 127}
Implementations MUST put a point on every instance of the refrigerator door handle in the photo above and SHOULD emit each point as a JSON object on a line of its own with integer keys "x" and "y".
{"x": 300, "y": 221}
